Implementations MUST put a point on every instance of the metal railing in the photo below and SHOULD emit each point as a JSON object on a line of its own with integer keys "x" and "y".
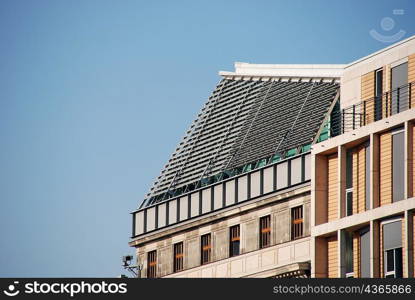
{"x": 372, "y": 109}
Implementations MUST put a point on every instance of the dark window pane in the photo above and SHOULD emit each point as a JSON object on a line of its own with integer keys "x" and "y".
{"x": 234, "y": 236}
{"x": 398, "y": 263}
{"x": 390, "y": 261}
{"x": 235, "y": 248}
{"x": 349, "y": 203}
{"x": 349, "y": 252}
{"x": 349, "y": 169}
{"x": 378, "y": 94}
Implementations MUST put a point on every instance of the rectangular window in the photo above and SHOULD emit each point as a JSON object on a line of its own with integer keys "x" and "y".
{"x": 265, "y": 231}
{"x": 392, "y": 249}
{"x": 206, "y": 248}
{"x": 178, "y": 257}
{"x": 378, "y": 94}
{"x": 152, "y": 264}
{"x": 349, "y": 202}
{"x": 296, "y": 222}
{"x": 349, "y": 168}
{"x": 398, "y": 165}
{"x": 393, "y": 263}
{"x": 348, "y": 241}
{"x": 399, "y": 85}
{"x": 234, "y": 241}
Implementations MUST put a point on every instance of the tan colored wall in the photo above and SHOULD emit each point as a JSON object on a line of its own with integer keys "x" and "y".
{"x": 332, "y": 258}
{"x": 368, "y": 92}
{"x": 356, "y": 254}
{"x": 385, "y": 168}
{"x": 411, "y": 76}
{"x": 332, "y": 188}
{"x": 359, "y": 179}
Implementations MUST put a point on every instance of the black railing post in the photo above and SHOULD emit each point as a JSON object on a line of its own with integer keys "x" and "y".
{"x": 410, "y": 95}
{"x": 354, "y": 115}
{"x": 390, "y": 103}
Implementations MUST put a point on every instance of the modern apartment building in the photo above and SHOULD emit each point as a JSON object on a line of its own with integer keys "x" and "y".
{"x": 290, "y": 171}
{"x": 362, "y": 199}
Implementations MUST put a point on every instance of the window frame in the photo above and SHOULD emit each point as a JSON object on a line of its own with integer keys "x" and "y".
{"x": 348, "y": 191}
{"x": 206, "y": 248}
{"x": 178, "y": 257}
{"x": 297, "y": 223}
{"x": 234, "y": 239}
{"x": 152, "y": 264}
{"x": 265, "y": 231}
{"x": 392, "y": 274}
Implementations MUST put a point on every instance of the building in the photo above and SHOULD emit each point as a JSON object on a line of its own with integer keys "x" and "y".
{"x": 363, "y": 179}
{"x": 271, "y": 179}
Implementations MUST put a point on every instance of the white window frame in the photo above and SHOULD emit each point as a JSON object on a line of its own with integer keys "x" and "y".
{"x": 349, "y": 190}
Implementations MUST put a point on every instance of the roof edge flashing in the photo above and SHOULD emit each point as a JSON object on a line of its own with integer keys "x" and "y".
{"x": 243, "y": 69}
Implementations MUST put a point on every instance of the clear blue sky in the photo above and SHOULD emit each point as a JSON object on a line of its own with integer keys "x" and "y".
{"x": 95, "y": 95}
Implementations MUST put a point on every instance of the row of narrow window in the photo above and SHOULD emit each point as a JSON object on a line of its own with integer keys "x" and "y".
{"x": 234, "y": 242}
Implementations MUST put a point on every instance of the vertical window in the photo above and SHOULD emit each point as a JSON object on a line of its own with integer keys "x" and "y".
{"x": 349, "y": 202}
{"x": 392, "y": 249}
{"x": 399, "y": 82}
{"x": 393, "y": 263}
{"x": 398, "y": 165}
{"x": 296, "y": 222}
{"x": 378, "y": 94}
{"x": 234, "y": 241}
{"x": 265, "y": 231}
{"x": 206, "y": 248}
{"x": 348, "y": 241}
{"x": 178, "y": 257}
{"x": 152, "y": 264}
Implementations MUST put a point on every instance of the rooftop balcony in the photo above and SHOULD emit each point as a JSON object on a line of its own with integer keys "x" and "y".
{"x": 372, "y": 110}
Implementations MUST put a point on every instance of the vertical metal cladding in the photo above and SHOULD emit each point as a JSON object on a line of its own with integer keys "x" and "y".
{"x": 244, "y": 121}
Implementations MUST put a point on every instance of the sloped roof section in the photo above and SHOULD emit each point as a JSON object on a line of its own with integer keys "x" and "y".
{"x": 243, "y": 121}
